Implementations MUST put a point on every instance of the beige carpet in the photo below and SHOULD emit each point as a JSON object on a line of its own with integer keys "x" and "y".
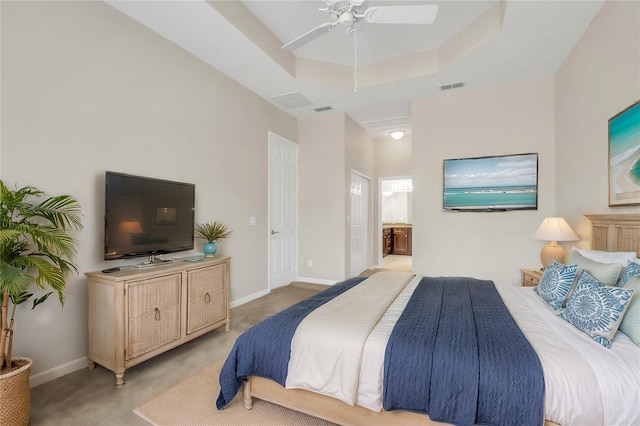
{"x": 192, "y": 402}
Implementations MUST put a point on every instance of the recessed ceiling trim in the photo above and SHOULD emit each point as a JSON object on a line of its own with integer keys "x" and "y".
{"x": 388, "y": 124}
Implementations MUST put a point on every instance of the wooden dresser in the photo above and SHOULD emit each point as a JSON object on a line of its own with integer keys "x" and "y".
{"x": 138, "y": 313}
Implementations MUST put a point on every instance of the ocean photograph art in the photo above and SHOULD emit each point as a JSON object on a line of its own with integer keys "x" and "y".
{"x": 491, "y": 183}
{"x": 624, "y": 157}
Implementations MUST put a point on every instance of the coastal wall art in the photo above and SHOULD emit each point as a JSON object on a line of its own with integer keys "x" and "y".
{"x": 624, "y": 157}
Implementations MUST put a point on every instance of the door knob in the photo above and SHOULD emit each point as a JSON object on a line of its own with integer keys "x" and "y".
{"x": 274, "y": 232}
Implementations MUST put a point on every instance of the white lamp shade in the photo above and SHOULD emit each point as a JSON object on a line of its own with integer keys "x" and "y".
{"x": 555, "y": 229}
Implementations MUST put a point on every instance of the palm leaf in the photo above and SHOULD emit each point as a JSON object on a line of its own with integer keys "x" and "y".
{"x": 13, "y": 279}
{"x": 62, "y": 211}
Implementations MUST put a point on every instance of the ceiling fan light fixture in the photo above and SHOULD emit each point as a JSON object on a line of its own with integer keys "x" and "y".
{"x": 397, "y": 134}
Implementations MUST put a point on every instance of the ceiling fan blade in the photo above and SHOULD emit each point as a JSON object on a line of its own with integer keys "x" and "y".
{"x": 405, "y": 14}
{"x": 310, "y": 35}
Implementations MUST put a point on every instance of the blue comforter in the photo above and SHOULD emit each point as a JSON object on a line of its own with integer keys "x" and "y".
{"x": 455, "y": 354}
{"x": 264, "y": 349}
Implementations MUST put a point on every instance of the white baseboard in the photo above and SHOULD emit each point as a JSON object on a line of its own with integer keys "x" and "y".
{"x": 80, "y": 363}
{"x": 316, "y": 280}
{"x": 248, "y": 298}
{"x": 58, "y": 371}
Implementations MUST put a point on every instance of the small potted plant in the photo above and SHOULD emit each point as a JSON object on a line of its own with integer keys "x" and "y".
{"x": 35, "y": 249}
{"x": 212, "y": 232}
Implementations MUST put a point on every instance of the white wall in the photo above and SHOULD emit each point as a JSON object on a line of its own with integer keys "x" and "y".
{"x": 509, "y": 119}
{"x": 600, "y": 78}
{"x": 85, "y": 89}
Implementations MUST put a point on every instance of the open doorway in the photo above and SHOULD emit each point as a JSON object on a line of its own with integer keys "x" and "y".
{"x": 395, "y": 207}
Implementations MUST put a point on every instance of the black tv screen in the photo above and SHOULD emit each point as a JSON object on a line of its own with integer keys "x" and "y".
{"x": 496, "y": 183}
{"x": 146, "y": 216}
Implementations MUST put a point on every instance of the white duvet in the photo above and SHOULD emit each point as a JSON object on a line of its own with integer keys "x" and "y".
{"x": 585, "y": 383}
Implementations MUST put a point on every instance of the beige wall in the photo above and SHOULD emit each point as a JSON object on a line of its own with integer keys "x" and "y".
{"x": 360, "y": 158}
{"x": 509, "y": 119}
{"x": 86, "y": 89}
{"x": 322, "y": 195}
{"x": 393, "y": 157}
{"x": 600, "y": 78}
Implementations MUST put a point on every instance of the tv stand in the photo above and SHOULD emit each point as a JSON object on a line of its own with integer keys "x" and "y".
{"x": 136, "y": 314}
{"x": 153, "y": 261}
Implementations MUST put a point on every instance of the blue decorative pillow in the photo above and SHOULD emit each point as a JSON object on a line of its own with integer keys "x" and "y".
{"x": 632, "y": 270}
{"x": 596, "y": 309}
{"x": 555, "y": 283}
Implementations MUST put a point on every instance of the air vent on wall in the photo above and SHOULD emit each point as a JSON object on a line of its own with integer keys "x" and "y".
{"x": 452, "y": 85}
{"x": 324, "y": 108}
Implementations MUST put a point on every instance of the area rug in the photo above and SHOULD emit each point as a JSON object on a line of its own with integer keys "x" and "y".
{"x": 192, "y": 402}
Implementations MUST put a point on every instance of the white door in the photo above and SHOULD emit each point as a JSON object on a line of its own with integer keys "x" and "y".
{"x": 283, "y": 211}
{"x": 359, "y": 224}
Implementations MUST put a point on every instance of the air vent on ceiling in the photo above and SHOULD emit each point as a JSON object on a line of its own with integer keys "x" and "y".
{"x": 452, "y": 85}
{"x": 324, "y": 108}
{"x": 291, "y": 100}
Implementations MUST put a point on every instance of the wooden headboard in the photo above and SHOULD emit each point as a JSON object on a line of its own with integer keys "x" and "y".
{"x": 615, "y": 232}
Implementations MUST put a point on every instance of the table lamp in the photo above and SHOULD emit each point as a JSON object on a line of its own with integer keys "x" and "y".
{"x": 553, "y": 229}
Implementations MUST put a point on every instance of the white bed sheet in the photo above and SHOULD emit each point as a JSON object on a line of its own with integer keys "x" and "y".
{"x": 585, "y": 383}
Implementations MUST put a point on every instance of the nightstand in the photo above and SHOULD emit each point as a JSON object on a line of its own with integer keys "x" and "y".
{"x": 530, "y": 277}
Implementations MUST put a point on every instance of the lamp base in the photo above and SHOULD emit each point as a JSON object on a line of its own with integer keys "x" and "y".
{"x": 550, "y": 252}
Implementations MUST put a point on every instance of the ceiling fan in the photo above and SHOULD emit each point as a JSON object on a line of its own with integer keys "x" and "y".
{"x": 348, "y": 13}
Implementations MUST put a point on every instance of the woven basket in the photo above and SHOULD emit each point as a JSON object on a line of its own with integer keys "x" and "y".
{"x": 15, "y": 397}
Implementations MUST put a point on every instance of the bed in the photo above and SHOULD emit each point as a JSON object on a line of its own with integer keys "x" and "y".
{"x": 583, "y": 382}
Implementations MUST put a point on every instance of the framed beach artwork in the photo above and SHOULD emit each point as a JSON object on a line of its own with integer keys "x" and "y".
{"x": 624, "y": 157}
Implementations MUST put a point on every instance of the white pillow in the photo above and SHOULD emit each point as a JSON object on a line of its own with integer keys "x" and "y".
{"x": 621, "y": 257}
{"x": 630, "y": 324}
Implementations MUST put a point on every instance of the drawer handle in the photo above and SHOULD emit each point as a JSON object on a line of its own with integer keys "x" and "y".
{"x": 157, "y": 313}
{"x": 207, "y": 298}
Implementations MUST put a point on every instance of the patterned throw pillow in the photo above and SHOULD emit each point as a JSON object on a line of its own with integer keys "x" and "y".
{"x": 596, "y": 309}
{"x": 632, "y": 270}
{"x": 555, "y": 283}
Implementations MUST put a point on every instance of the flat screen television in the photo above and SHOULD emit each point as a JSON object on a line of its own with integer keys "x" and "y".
{"x": 146, "y": 216}
{"x": 495, "y": 183}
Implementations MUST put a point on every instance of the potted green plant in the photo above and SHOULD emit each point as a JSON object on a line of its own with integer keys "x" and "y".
{"x": 212, "y": 232}
{"x": 35, "y": 249}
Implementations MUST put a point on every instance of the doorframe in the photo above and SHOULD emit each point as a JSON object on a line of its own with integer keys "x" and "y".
{"x": 369, "y": 221}
{"x": 379, "y": 224}
{"x": 271, "y": 135}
